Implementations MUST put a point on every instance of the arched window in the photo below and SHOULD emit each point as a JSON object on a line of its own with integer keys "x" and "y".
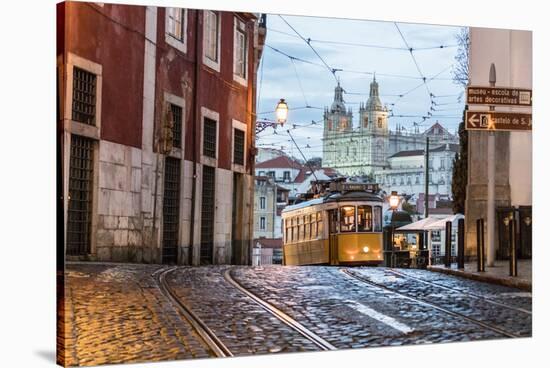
{"x": 380, "y": 122}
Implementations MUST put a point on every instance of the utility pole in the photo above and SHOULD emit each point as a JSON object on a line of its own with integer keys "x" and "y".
{"x": 427, "y": 177}
{"x": 491, "y": 182}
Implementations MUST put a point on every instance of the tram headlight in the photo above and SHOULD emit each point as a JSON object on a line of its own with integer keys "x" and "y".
{"x": 365, "y": 249}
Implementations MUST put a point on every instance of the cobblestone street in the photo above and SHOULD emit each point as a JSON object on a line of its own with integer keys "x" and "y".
{"x": 120, "y": 313}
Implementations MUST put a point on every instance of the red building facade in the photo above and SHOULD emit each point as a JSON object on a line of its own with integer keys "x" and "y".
{"x": 156, "y": 132}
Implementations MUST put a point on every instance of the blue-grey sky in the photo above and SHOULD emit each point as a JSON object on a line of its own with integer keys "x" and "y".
{"x": 312, "y": 83}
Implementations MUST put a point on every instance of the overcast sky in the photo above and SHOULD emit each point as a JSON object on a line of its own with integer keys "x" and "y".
{"x": 302, "y": 84}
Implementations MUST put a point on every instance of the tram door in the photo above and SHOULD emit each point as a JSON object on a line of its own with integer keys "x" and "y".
{"x": 333, "y": 236}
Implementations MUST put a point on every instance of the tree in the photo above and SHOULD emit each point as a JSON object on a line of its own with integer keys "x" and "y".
{"x": 460, "y": 68}
{"x": 460, "y": 172}
{"x": 409, "y": 208}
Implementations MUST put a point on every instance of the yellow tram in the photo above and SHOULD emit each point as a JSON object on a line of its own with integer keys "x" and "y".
{"x": 343, "y": 227}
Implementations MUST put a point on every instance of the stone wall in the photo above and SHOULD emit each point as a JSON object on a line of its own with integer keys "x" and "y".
{"x": 119, "y": 220}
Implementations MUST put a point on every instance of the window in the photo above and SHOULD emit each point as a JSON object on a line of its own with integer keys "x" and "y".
{"x": 366, "y": 120}
{"x": 288, "y": 229}
{"x": 238, "y": 147}
{"x": 212, "y": 23}
{"x": 319, "y": 225}
{"x": 380, "y": 121}
{"x": 286, "y": 176}
{"x": 333, "y": 221}
{"x": 347, "y": 219}
{"x": 417, "y": 180}
{"x": 442, "y": 163}
{"x": 176, "y": 117}
{"x": 84, "y": 96}
{"x": 271, "y": 174}
{"x": 261, "y": 173}
{"x": 240, "y": 50}
{"x": 364, "y": 218}
{"x": 307, "y": 227}
{"x": 262, "y": 223}
{"x": 313, "y": 226}
{"x": 377, "y": 218}
{"x": 209, "y": 138}
{"x": 262, "y": 203}
{"x": 176, "y": 26}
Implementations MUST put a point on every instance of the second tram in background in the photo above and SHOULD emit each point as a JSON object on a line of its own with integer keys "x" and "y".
{"x": 342, "y": 227}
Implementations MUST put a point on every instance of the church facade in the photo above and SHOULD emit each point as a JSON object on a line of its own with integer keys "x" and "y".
{"x": 366, "y": 148}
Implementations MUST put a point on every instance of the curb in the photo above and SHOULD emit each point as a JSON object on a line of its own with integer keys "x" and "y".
{"x": 519, "y": 284}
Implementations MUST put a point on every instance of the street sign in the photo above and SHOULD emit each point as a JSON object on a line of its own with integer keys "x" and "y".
{"x": 490, "y": 120}
{"x": 499, "y": 96}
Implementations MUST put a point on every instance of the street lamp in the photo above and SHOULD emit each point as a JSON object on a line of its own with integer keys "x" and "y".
{"x": 394, "y": 200}
{"x": 281, "y": 111}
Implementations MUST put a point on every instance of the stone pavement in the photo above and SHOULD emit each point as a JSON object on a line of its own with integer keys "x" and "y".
{"x": 498, "y": 274}
{"x": 117, "y": 314}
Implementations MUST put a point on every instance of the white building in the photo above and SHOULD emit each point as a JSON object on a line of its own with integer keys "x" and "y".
{"x": 366, "y": 148}
{"x": 406, "y": 170}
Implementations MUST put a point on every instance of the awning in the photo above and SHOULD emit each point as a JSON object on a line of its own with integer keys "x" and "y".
{"x": 418, "y": 225}
{"x": 440, "y": 224}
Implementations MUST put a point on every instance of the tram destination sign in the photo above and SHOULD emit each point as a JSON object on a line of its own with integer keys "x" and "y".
{"x": 490, "y": 120}
{"x": 499, "y": 96}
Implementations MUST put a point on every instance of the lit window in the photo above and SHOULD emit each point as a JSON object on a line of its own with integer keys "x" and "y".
{"x": 347, "y": 219}
{"x": 364, "y": 218}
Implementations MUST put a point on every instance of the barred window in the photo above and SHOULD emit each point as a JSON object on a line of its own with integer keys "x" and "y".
{"x": 84, "y": 96}
{"x": 209, "y": 138}
{"x": 176, "y": 116}
{"x": 176, "y": 23}
{"x": 238, "y": 148}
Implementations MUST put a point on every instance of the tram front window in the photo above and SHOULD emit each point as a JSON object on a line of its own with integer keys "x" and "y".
{"x": 377, "y": 218}
{"x": 364, "y": 218}
{"x": 347, "y": 219}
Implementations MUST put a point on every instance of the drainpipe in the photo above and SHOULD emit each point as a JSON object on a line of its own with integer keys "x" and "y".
{"x": 194, "y": 123}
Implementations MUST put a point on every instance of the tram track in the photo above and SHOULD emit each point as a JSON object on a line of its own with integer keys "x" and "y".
{"x": 321, "y": 343}
{"x": 471, "y": 295}
{"x": 430, "y": 304}
{"x": 213, "y": 342}
{"x": 216, "y": 346}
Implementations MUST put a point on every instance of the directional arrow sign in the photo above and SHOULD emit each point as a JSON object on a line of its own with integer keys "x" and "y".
{"x": 507, "y": 121}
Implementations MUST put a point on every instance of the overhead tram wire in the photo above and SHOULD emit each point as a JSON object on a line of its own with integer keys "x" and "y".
{"x": 343, "y": 70}
{"x": 308, "y": 42}
{"x": 359, "y": 44}
{"x": 299, "y": 81}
